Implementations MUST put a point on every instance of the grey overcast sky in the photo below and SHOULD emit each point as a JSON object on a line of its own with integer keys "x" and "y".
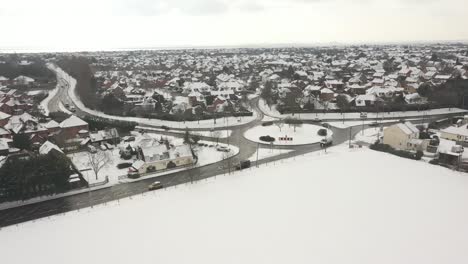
{"x": 113, "y": 24}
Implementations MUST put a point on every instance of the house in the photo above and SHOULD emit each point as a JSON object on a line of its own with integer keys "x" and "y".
{"x": 326, "y": 94}
{"x": 4, "y": 118}
{"x": 455, "y": 133}
{"x": 110, "y": 135}
{"x": 53, "y": 127}
{"x": 48, "y": 147}
{"x": 365, "y": 100}
{"x": 404, "y": 136}
{"x": 74, "y": 127}
{"x": 23, "y": 80}
{"x": 158, "y": 156}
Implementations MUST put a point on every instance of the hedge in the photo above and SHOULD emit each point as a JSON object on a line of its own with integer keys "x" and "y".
{"x": 400, "y": 153}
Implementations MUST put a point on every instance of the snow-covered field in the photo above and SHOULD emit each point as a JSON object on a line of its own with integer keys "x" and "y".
{"x": 307, "y": 210}
{"x": 369, "y": 135}
{"x": 304, "y": 134}
{"x": 221, "y": 122}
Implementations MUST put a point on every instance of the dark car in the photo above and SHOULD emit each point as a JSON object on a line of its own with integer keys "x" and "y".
{"x": 155, "y": 186}
{"x": 130, "y": 139}
{"x": 243, "y": 165}
{"x": 124, "y": 165}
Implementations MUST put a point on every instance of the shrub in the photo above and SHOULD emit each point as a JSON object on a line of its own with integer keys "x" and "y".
{"x": 322, "y": 132}
{"x": 267, "y": 139}
{"x": 400, "y": 153}
{"x": 419, "y": 155}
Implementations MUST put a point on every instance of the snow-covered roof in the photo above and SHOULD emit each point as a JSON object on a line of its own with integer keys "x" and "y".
{"x": 73, "y": 121}
{"x": 52, "y": 124}
{"x": 47, "y": 147}
{"x": 462, "y": 130}
{"x": 408, "y": 128}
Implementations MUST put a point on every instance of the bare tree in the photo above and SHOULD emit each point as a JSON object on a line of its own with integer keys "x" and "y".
{"x": 98, "y": 160}
{"x": 216, "y": 134}
{"x": 279, "y": 124}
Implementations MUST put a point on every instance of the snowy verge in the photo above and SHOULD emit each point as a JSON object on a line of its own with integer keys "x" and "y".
{"x": 272, "y": 112}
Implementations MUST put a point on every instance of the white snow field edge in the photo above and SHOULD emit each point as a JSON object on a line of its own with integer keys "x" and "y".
{"x": 337, "y": 116}
{"x": 220, "y": 122}
{"x": 307, "y": 210}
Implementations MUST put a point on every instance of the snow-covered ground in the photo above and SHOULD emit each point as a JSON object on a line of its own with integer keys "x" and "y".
{"x": 372, "y": 208}
{"x": 214, "y": 134}
{"x": 45, "y": 103}
{"x": 206, "y": 156}
{"x": 369, "y": 135}
{"x": 64, "y": 109}
{"x": 338, "y": 116}
{"x": 221, "y": 122}
{"x": 304, "y": 134}
{"x": 264, "y": 153}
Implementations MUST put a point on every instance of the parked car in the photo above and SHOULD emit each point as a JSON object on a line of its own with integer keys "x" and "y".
{"x": 108, "y": 146}
{"x": 222, "y": 148}
{"x": 129, "y": 139}
{"x": 132, "y": 174}
{"x": 243, "y": 165}
{"x": 92, "y": 149}
{"x": 103, "y": 147}
{"x": 124, "y": 165}
{"x": 155, "y": 185}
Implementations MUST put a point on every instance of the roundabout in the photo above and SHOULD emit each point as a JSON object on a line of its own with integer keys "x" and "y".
{"x": 287, "y": 135}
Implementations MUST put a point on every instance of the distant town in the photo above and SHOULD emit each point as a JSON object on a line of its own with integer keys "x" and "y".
{"x": 76, "y": 124}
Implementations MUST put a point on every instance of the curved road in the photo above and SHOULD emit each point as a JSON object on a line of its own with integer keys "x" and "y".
{"x": 247, "y": 149}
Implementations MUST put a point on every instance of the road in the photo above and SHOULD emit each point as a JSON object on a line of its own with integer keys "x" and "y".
{"x": 247, "y": 149}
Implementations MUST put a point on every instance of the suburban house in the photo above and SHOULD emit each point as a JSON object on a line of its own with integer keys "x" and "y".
{"x": 158, "y": 156}
{"x": 455, "y": 133}
{"x": 404, "y": 136}
{"x": 73, "y": 127}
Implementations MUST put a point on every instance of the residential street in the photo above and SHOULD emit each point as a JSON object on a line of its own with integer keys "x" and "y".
{"x": 247, "y": 149}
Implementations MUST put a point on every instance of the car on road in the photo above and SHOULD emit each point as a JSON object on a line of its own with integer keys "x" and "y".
{"x": 222, "y": 148}
{"x": 133, "y": 174}
{"x": 325, "y": 142}
{"x": 243, "y": 165}
{"x": 155, "y": 186}
{"x": 72, "y": 109}
{"x": 363, "y": 115}
{"x": 374, "y": 124}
